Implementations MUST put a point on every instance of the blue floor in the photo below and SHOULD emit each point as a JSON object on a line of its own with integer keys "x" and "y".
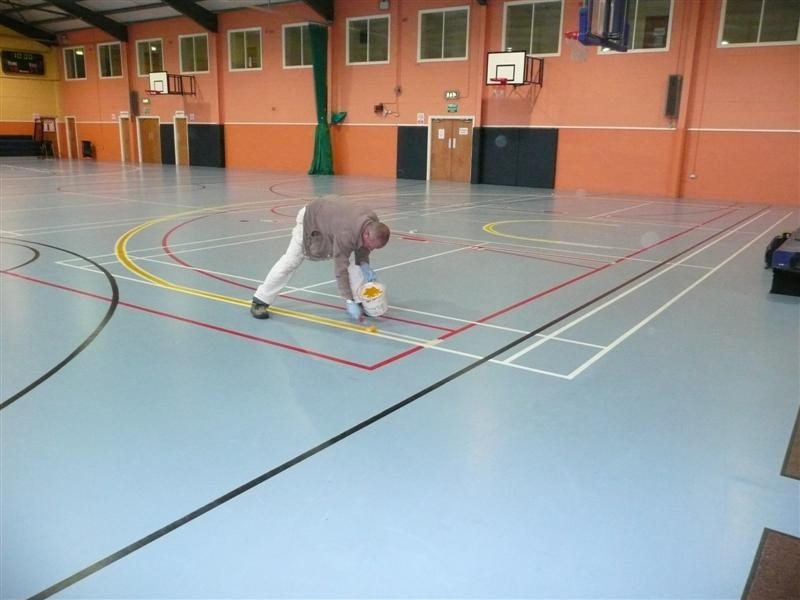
{"x": 571, "y": 395}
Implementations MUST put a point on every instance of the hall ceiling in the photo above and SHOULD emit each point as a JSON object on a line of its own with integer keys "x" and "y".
{"x": 44, "y": 20}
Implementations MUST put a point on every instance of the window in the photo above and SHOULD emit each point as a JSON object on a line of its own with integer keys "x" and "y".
{"x": 150, "y": 56}
{"x": 194, "y": 53}
{"x": 296, "y": 46}
{"x": 443, "y": 34}
{"x": 368, "y": 40}
{"x": 74, "y": 63}
{"x": 760, "y": 22}
{"x": 244, "y": 49}
{"x": 109, "y": 59}
{"x": 533, "y": 26}
{"x": 648, "y": 23}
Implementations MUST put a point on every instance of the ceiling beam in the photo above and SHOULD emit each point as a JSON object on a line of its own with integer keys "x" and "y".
{"x": 112, "y": 28}
{"x": 41, "y": 36}
{"x": 198, "y": 14}
{"x": 324, "y": 8}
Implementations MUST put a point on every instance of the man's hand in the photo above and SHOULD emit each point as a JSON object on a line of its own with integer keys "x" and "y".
{"x": 353, "y": 310}
{"x": 369, "y": 274}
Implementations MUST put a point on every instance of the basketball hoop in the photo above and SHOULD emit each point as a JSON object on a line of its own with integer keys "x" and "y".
{"x": 154, "y": 92}
{"x": 577, "y": 51}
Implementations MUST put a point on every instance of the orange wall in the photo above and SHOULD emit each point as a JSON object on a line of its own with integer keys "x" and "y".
{"x": 743, "y": 166}
{"x": 96, "y": 103}
{"x": 736, "y": 136}
{"x": 369, "y": 151}
{"x": 406, "y": 87}
{"x": 272, "y": 94}
{"x": 281, "y": 147}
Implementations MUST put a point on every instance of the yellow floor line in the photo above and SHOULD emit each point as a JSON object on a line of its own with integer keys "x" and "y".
{"x": 121, "y": 252}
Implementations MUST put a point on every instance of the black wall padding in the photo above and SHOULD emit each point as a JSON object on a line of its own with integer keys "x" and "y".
{"x": 207, "y": 145}
{"x": 518, "y": 156}
{"x": 412, "y": 152}
{"x": 673, "y": 104}
{"x": 167, "y": 144}
{"x": 477, "y": 135}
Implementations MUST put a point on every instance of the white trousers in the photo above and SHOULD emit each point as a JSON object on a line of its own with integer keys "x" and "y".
{"x": 280, "y": 274}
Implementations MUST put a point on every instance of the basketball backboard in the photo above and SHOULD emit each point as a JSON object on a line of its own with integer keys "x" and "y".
{"x": 604, "y": 23}
{"x": 158, "y": 83}
{"x": 513, "y": 68}
{"x": 162, "y": 82}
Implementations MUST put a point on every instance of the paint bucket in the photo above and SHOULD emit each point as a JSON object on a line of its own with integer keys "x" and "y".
{"x": 372, "y": 296}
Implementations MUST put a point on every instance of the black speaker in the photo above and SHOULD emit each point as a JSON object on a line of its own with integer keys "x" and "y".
{"x": 673, "y": 96}
{"x": 134, "y": 103}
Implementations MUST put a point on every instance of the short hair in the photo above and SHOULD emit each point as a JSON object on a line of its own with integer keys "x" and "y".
{"x": 378, "y": 232}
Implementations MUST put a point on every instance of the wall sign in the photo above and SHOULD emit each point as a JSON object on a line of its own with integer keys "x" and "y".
{"x": 21, "y": 62}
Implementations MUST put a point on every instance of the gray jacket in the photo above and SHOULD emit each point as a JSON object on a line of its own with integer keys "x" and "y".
{"x": 332, "y": 229}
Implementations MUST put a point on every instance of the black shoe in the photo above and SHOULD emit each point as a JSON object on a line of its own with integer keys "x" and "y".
{"x": 259, "y": 309}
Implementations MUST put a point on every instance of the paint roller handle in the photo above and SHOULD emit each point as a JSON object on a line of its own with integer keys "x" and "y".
{"x": 353, "y": 309}
{"x": 369, "y": 274}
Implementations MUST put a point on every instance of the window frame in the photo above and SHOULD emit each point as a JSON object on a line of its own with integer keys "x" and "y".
{"x": 609, "y": 52}
{"x": 180, "y": 52}
{"x": 74, "y": 50}
{"x": 388, "y": 19}
{"x": 302, "y": 26}
{"x": 442, "y": 11}
{"x": 722, "y": 18}
{"x": 100, "y": 61}
{"x": 670, "y": 19}
{"x": 260, "y": 66}
{"x": 533, "y": 2}
{"x": 138, "y": 62}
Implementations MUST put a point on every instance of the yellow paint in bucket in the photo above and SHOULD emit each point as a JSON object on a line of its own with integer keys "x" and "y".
{"x": 372, "y": 296}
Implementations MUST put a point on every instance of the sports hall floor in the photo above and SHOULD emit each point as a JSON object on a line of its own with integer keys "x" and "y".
{"x": 571, "y": 396}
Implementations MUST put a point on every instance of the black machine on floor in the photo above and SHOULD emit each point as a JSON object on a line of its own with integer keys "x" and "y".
{"x": 783, "y": 257}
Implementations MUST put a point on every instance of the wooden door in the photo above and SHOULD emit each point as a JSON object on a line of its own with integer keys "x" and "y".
{"x": 149, "y": 140}
{"x": 440, "y": 149}
{"x": 181, "y": 141}
{"x": 461, "y": 150}
{"x": 451, "y": 149}
{"x": 72, "y": 138}
{"x": 125, "y": 139}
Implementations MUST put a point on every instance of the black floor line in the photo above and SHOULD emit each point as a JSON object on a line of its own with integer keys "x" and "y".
{"x": 139, "y": 544}
{"x": 35, "y": 256}
{"x": 83, "y": 345}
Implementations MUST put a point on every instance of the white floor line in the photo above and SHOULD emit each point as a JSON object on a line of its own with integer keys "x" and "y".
{"x": 82, "y": 226}
{"x": 573, "y": 254}
{"x": 641, "y": 284}
{"x": 417, "y": 341}
{"x": 63, "y": 206}
{"x": 619, "y": 210}
{"x": 666, "y": 305}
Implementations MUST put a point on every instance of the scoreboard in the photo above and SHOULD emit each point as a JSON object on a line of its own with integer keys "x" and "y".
{"x": 20, "y": 62}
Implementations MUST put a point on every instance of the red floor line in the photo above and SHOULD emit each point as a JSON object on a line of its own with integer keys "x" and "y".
{"x": 168, "y": 251}
{"x": 582, "y": 276}
{"x": 274, "y": 209}
{"x": 497, "y": 313}
{"x": 554, "y": 258}
{"x": 218, "y": 328}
